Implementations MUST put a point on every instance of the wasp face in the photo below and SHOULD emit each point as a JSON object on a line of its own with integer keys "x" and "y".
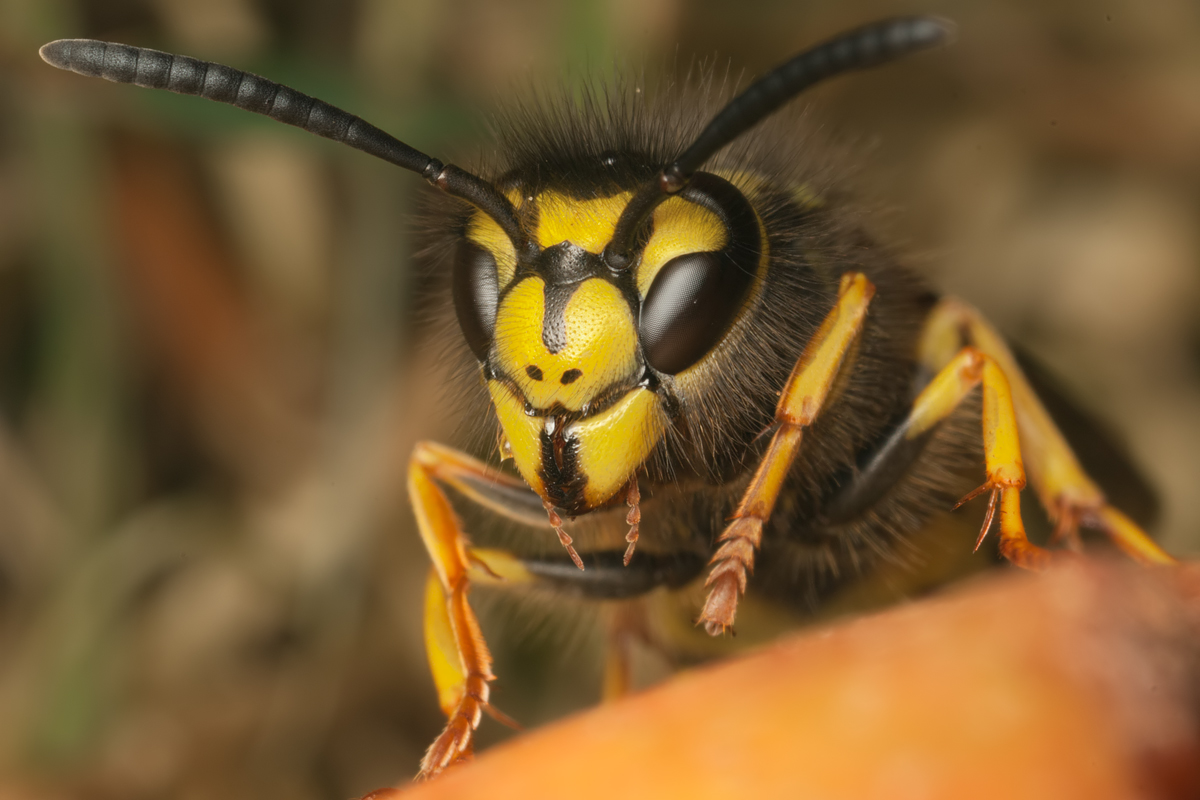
{"x": 574, "y": 351}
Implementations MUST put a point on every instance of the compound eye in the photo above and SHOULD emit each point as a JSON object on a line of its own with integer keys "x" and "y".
{"x": 689, "y": 306}
{"x": 476, "y": 295}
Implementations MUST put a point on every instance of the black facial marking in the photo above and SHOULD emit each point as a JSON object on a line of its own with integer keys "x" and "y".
{"x": 566, "y": 263}
{"x": 570, "y": 376}
{"x": 533, "y": 372}
{"x": 554, "y": 320}
{"x": 560, "y": 470}
{"x": 563, "y": 267}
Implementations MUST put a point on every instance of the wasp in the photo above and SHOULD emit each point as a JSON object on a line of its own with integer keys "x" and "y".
{"x": 682, "y": 331}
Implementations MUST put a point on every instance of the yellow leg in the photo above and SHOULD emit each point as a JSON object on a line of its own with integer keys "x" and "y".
{"x": 799, "y": 404}
{"x": 1065, "y": 490}
{"x": 458, "y": 655}
{"x": 1001, "y": 446}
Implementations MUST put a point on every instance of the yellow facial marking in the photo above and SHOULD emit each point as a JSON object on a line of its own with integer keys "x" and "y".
{"x": 601, "y": 343}
{"x": 523, "y": 432}
{"x": 615, "y": 442}
{"x": 609, "y": 446}
{"x": 485, "y": 232}
{"x": 680, "y": 227}
{"x": 588, "y": 224}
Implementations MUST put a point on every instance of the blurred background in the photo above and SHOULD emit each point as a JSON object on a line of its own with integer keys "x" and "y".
{"x": 214, "y": 362}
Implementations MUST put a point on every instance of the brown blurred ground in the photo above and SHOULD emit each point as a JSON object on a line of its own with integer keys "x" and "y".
{"x": 212, "y": 366}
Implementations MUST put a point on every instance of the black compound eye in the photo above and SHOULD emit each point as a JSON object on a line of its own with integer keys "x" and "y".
{"x": 476, "y": 294}
{"x": 691, "y": 303}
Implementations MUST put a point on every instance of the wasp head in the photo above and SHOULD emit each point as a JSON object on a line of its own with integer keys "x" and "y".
{"x": 574, "y": 351}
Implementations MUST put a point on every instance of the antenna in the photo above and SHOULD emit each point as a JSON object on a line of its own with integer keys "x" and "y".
{"x": 154, "y": 69}
{"x": 869, "y": 46}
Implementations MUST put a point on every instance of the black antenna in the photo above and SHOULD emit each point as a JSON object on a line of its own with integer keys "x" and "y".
{"x": 861, "y": 48}
{"x": 154, "y": 69}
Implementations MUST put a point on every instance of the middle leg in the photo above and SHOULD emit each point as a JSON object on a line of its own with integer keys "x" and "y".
{"x": 1001, "y": 447}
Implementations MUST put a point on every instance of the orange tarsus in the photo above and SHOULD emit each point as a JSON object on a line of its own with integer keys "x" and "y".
{"x": 732, "y": 563}
{"x": 454, "y": 743}
{"x": 721, "y": 605}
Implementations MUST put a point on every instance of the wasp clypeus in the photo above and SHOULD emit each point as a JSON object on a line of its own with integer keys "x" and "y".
{"x": 683, "y": 331}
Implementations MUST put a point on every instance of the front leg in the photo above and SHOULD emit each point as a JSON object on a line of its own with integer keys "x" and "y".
{"x": 801, "y": 401}
{"x": 458, "y": 655}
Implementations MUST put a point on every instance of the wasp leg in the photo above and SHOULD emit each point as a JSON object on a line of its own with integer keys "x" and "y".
{"x": 799, "y": 404}
{"x": 458, "y": 655}
{"x": 1068, "y": 494}
{"x": 971, "y": 367}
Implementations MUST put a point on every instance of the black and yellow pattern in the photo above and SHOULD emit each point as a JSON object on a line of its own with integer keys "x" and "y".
{"x": 691, "y": 341}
